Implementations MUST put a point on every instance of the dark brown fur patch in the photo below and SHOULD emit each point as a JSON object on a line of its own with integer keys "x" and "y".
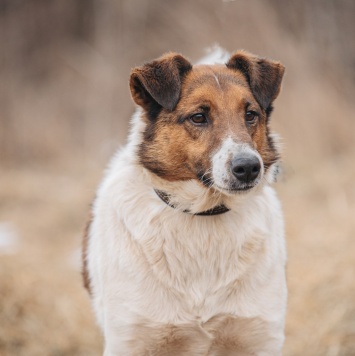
{"x": 159, "y": 82}
{"x": 264, "y": 76}
{"x": 85, "y": 271}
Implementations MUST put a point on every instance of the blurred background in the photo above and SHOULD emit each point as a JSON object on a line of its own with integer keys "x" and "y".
{"x": 65, "y": 108}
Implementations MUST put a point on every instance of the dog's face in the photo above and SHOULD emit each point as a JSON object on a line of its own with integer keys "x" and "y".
{"x": 208, "y": 122}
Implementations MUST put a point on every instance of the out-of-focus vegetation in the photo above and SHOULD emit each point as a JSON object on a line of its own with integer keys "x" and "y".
{"x": 65, "y": 107}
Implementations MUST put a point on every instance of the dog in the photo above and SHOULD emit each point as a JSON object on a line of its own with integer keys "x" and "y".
{"x": 185, "y": 251}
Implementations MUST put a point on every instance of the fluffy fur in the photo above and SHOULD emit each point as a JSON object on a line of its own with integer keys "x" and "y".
{"x": 165, "y": 282}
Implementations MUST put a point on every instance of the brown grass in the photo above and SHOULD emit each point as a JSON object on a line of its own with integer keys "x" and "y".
{"x": 65, "y": 106}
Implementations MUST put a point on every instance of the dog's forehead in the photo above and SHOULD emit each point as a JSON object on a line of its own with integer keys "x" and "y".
{"x": 213, "y": 82}
{"x": 217, "y": 74}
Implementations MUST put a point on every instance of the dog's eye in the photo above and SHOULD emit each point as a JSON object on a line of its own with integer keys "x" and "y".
{"x": 250, "y": 117}
{"x": 198, "y": 119}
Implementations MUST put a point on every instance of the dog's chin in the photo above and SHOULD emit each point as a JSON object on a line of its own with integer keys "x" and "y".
{"x": 235, "y": 189}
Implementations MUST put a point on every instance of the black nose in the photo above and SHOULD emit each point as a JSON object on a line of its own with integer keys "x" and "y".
{"x": 246, "y": 169}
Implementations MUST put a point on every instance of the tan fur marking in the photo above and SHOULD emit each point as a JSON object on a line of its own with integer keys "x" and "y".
{"x": 170, "y": 340}
{"x": 235, "y": 336}
{"x": 252, "y": 249}
{"x": 222, "y": 335}
{"x": 85, "y": 272}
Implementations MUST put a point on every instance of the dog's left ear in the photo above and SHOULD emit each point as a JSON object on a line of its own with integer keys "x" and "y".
{"x": 159, "y": 81}
{"x": 264, "y": 76}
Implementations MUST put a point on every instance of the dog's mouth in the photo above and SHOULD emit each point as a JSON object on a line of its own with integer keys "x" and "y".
{"x": 231, "y": 188}
{"x": 235, "y": 190}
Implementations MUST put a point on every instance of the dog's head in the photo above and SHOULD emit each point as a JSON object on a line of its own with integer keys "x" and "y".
{"x": 208, "y": 122}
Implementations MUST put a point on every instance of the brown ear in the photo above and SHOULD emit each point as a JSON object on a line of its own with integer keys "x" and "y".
{"x": 159, "y": 81}
{"x": 264, "y": 76}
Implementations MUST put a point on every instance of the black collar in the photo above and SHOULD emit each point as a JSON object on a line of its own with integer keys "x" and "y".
{"x": 217, "y": 210}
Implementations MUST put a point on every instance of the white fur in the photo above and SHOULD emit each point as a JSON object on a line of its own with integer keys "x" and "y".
{"x": 215, "y": 55}
{"x": 152, "y": 265}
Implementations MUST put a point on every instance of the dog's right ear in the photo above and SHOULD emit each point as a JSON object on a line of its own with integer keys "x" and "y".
{"x": 159, "y": 82}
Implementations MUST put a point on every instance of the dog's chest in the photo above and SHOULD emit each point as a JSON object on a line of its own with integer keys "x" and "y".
{"x": 201, "y": 257}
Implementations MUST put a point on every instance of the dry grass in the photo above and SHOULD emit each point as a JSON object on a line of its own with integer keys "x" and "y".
{"x": 65, "y": 106}
{"x": 320, "y": 228}
{"x": 43, "y": 308}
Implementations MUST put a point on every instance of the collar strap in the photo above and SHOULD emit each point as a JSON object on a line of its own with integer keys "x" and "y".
{"x": 217, "y": 210}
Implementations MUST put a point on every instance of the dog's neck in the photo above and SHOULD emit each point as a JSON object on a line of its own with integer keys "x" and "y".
{"x": 187, "y": 195}
{"x": 217, "y": 210}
